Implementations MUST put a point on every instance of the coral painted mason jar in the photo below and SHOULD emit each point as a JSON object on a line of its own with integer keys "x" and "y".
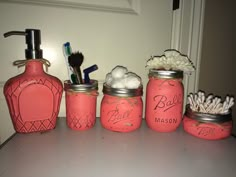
{"x": 207, "y": 126}
{"x": 81, "y": 101}
{"x": 164, "y": 100}
{"x": 121, "y": 109}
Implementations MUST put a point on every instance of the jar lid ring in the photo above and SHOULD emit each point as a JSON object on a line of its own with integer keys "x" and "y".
{"x": 207, "y": 117}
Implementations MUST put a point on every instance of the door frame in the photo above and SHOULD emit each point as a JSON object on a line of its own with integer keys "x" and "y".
{"x": 187, "y": 35}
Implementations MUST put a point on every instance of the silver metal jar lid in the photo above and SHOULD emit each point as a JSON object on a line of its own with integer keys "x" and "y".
{"x": 205, "y": 117}
{"x": 68, "y": 86}
{"x": 122, "y": 92}
{"x": 166, "y": 74}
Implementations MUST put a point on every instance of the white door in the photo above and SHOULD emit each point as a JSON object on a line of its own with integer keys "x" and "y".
{"x": 107, "y": 32}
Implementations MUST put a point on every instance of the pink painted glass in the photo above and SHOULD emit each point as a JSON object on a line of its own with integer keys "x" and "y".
{"x": 33, "y": 98}
{"x": 164, "y": 100}
{"x": 81, "y": 101}
{"x": 207, "y": 126}
{"x": 121, "y": 109}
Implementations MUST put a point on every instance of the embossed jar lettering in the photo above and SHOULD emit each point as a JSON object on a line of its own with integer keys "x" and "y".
{"x": 121, "y": 109}
{"x": 207, "y": 126}
{"x": 164, "y": 100}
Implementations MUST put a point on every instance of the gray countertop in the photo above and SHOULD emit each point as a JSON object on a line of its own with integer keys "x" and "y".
{"x": 98, "y": 152}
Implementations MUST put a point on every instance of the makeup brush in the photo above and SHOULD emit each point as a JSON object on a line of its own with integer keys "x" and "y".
{"x": 75, "y": 60}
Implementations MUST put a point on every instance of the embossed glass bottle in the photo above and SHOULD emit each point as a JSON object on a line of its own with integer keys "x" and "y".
{"x": 34, "y": 96}
{"x": 164, "y": 100}
{"x": 81, "y": 101}
{"x": 121, "y": 109}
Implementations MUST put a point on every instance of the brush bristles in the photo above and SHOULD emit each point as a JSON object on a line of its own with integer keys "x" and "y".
{"x": 76, "y": 59}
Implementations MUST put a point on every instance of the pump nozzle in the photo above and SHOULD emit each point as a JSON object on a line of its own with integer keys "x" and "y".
{"x": 33, "y": 41}
{"x": 14, "y": 33}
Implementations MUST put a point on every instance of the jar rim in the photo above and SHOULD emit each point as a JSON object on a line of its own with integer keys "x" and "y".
{"x": 207, "y": 117}
{"x": 122, "y": 92}
{"x": 68, "y": 86}
{"x": 167, "y": 74}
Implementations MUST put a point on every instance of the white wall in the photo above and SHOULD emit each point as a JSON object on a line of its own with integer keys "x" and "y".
{"x": 106, "y": 38}
{"x": 218, "y": 51}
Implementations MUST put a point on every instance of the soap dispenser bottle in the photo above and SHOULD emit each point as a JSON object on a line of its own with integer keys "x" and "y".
{"x": 33, "y": 97}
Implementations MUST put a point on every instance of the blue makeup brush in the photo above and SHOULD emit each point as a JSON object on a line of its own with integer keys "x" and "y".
{"x": 87, "y": 71}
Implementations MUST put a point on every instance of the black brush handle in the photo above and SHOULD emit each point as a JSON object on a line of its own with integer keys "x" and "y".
{"x": 80, "y": 79}
{"x": 78, "y": 75}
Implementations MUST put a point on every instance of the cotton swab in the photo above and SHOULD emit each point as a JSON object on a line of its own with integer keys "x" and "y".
{"x": 210, "y": 104}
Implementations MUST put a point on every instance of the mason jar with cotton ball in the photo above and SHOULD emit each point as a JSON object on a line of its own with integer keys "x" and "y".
{"x": 122, "y": 105}
{"x": 165, "y": 91}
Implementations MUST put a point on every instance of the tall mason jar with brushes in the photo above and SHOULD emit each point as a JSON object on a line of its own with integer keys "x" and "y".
{"x": 165, "y": 90}
{"x": 81, "y": 94}
{"x": 34, "y": 96}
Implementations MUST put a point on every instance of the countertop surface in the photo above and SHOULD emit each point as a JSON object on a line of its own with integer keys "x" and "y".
{"x": 98, "y": 152}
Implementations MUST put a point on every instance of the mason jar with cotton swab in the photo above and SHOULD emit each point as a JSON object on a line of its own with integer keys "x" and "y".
{"x": 208, "y": 117}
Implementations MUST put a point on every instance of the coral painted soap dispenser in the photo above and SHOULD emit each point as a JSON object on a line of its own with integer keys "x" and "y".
{"x": 34, "y": 96}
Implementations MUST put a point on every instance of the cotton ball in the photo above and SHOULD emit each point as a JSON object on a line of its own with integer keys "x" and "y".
{"x": 119, "y": 72}
{"x": 132, "y": 81}
{"x": 108, "y": 79}
{"x": 118, "y": 83}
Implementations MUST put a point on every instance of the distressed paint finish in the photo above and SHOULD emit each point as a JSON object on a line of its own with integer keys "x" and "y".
{"x": 164, "y": 104}
{"x": 121, "y": 114}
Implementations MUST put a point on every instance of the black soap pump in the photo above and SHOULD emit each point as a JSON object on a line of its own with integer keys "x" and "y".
{"x": 33, "y": 41}
{"x": 33, "y": 96}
